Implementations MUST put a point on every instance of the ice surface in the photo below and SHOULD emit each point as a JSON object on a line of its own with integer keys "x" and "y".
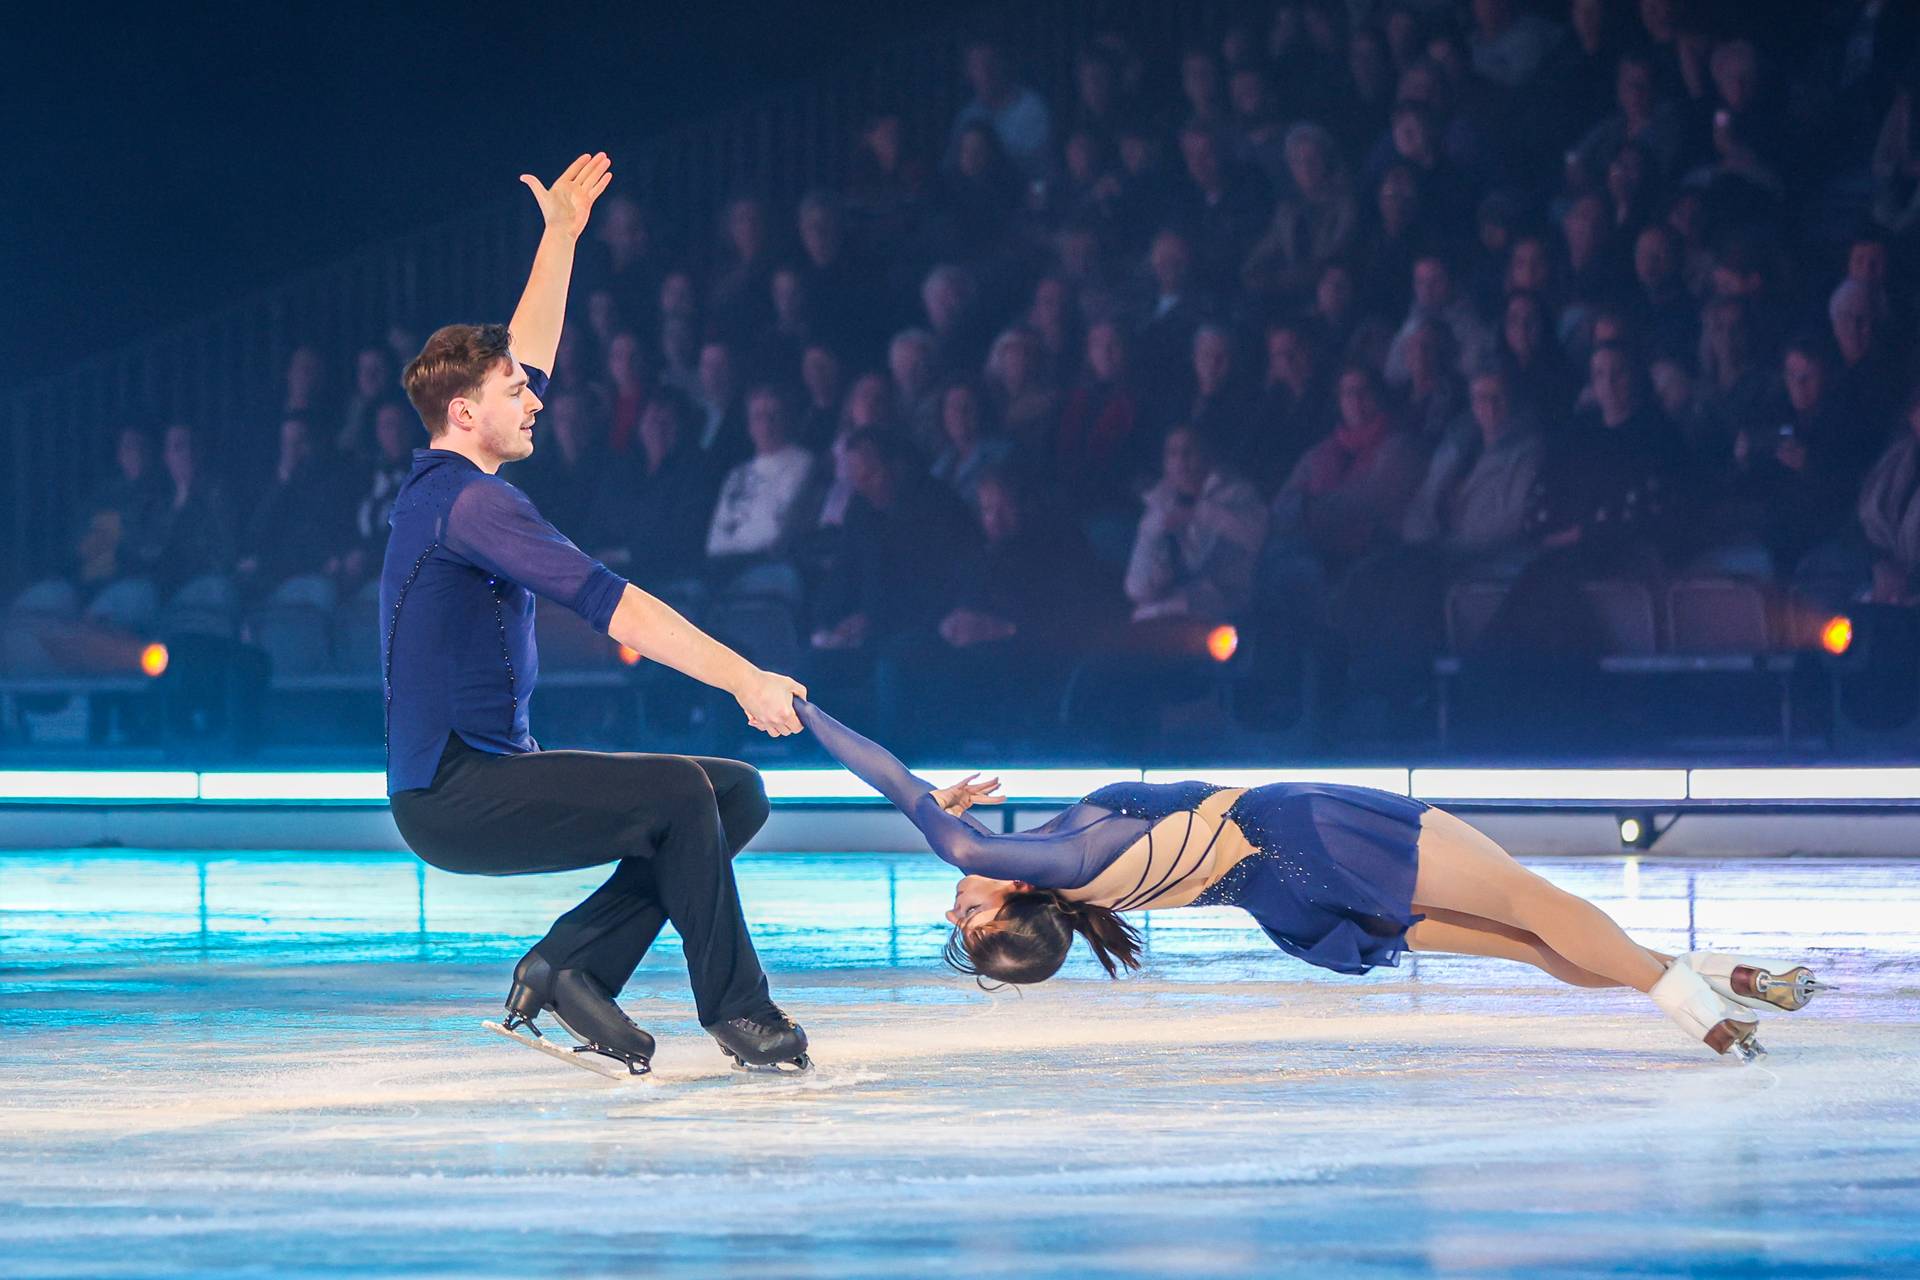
{"x": 273, "y": 1064}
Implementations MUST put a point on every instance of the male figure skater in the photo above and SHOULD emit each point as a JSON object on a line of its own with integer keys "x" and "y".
{"x": 471, "y": 790}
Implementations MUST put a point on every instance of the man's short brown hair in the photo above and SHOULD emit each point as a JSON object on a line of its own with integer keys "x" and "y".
{"x": 453, "y": 364}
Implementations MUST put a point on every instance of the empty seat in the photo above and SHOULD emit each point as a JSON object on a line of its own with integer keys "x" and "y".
{"x": 205, "y": 606}
{"x": 1717, "y": 615}
{"x": 356, "y": 632}
{"x": 53, "y": 598}
{"x": 1624, "y": 609}
{"x": 296, "y": 638}
{"x": 131, "y": 604}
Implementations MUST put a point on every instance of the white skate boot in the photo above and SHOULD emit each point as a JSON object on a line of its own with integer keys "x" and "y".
{"x": 1757, "y": 984}
{"x": 1684, "y": 996}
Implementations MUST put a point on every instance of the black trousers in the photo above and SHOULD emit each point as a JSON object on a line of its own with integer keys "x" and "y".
{"x": 670, "y": 824}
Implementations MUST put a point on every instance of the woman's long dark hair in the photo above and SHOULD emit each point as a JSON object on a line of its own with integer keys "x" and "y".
{"x": 1029, "y": 940}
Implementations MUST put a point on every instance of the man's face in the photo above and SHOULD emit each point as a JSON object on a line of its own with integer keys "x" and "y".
{"x": 659, "y": 428}
{"x": 1185, "y": 462}
{"x": 1287, "y": 356}
{"x": 1612, "y": 383}
{"x": 501, "y": 415}
{"x": 819, "y": 234}
{"x": 132, "y": 455}
{"x": 1634, "y": 89}
{"x": 1103, "y": 351}
{"x": 1867, "y": 263}
{"x": 1432, "y": 288}
{"x": 999, "y": 513}
{"x": 371, "y": 373}
{"x": 1357, "y": 402}
{"x": 1490, "y": 407}
{"x": 1805, "y": 381}
{"x": 766, "y": 423}
{"x": 820, "y": 371}
{"x": 1653, "y": 258}
{"x": 907, "y": 361}
{"x": 295, "y": 445}
{"x": 390, "y": 427}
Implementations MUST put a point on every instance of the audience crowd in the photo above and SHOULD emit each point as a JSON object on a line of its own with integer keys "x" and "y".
{"x": 1308, "y": 320}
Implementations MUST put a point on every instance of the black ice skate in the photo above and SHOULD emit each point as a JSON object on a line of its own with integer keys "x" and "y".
{"x": 610, "y": 1044}
{"x": 768, "y": 1042}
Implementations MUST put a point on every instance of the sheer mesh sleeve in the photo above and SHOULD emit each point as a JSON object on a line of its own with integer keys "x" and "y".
{"x": 1047, "y": 859}
{"x": 496, "y": 527}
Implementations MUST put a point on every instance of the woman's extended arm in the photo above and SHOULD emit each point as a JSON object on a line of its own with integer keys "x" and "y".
{"x": 1048, "y": 861}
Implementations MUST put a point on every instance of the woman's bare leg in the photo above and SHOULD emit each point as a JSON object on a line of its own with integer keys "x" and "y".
{"x": 1463, "y": 935}
{"x": 1464, "y": 871}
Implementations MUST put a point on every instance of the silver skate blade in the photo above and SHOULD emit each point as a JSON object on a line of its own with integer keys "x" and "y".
{"x": 587, "y": 1060}
{"x": 792, "y": 1070}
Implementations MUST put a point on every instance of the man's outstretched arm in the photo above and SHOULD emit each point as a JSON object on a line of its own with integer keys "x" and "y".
{"x": 543, "y": 306}
{"x": 655, "y": 630}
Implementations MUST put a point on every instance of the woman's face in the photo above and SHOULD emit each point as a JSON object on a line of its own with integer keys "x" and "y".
{"x": 1524, "y": 326}
{"x": 978, "y": 899}
{"x": 959, "y": 415}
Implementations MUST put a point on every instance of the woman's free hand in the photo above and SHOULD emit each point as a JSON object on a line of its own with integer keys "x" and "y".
{"x": 966, "y": 793}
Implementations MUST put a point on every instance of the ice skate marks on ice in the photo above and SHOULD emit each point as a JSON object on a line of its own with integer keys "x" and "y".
{"x": 582, "y": 1056}
{"x": 731, "y": 1088}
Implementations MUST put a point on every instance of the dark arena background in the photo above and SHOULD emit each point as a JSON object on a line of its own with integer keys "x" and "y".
{"x": 1511, "y": 406}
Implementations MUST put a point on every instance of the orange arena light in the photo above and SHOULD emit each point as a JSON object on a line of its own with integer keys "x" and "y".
{"x": 1837, "y": 635}
{"x": 1222, "y": 642}
{"x": 153, "y": 659}
{"x": 629, "y": 656}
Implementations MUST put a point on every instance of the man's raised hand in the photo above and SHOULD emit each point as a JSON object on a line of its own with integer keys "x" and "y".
{"x": 566, "y": 204}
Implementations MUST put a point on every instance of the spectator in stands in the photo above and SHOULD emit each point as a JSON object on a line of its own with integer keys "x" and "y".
{"x": 1291, "y": 413}
{"x": 1174, "y": 309}
{"x": 624, "y": 259}
{"x": 1474, "y": 502}
{"x": 900, "y": 531}
{"x": 1019, "y": 117}
{"x": 1054, "y": 324}
{"x": 653, "y": 512}
{"x": 738, "y": 306}
{"x": 821, "y": 376}
{"x": 193, "y": 533}
{"x": 1643, "y": 115}
{"x": 916, "y": 387}
{"x": 947, "y": 296}
{"x": 837, "y": 289}
{"x": 971, "y": 450}
{"x": 627, "y": 386}
{"x": 767, "y": 500}
{"x": 394, "y": 425}
{"x": 300, "y": 524}
{"x": 1510, "y": 46}
{"x": 1538, "y": 377}
{"x": 1434, "y": 298}
{"x": 976, "y": 198}
{"x": 1868, "y": 376}
{"x": 1435, "y": 394}
{"x": 722, "y": 434}
{"x": 1223, "y": 206}
{"x": 1314, "y": 223}
{"x": 1345, "y": 496}
{"x": 120, "y": 514}
{"x": 1799, "y": 466}
{"x": 1889, "y": 516}
{"x": 1025, "y": 600}
{"x": 1025, "y": 404}
{"x": 1198, "y": 539}
{"x": 374, "y": 385}
{"x": 568, "y": 464}
{"x": 1098, "y": 450}
{"x": 1221, "y": 409}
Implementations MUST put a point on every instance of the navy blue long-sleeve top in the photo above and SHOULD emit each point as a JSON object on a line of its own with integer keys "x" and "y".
{"x": 467, "y": 556}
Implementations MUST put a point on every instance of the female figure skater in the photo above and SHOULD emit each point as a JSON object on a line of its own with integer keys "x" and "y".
{"x": 1342, "y": 877}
